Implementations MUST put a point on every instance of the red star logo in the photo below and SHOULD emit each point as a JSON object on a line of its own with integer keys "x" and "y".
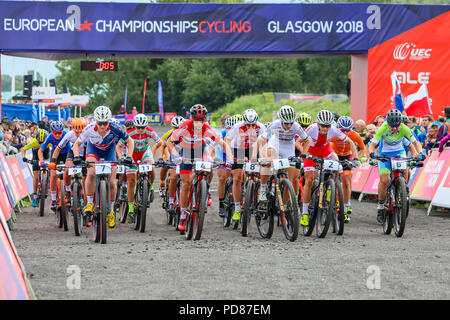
{"x": 85, "y": 26}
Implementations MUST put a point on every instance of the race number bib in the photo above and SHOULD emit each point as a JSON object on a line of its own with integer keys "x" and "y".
{"x": 203, "y": 166}
{"x": 331, "y": 165}
{"x": 120, "y": 169}
{"x": 143, "y": 168}
{"x": 398, "y": 164}
{"x": 74, "y": 170}
{"x": 102, "y": 168}
{"x": 251, "y": 167}
{"x": 279, "y": 164}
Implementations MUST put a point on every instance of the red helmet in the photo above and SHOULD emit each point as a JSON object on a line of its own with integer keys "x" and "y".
{"x": 198, "y": 112}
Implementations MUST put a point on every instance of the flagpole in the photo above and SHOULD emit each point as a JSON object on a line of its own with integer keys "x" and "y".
{"x": 143, "y": 98}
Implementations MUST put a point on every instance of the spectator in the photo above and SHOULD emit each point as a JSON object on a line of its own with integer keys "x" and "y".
{"x": 445, "y": 127}
{"x": 441, "y": 119}
{"x": 122, "y": 110}
{"x": 431, "y": 141}
{"x": 349, "y": 85}
{"x": 223, "y": 118}
{"x": 360, "y": 127}
{"x": 371, "y": 131}
{"x": 134, "y": 111}
{"x": 425, "y": 122}
{"x": 183, "y": 112}
{"x": 379, "y": 120}
{"x": 415, "y": 129}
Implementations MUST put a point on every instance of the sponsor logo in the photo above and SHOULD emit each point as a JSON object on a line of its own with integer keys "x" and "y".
{"x": 405, "y": 77}
{"x": 409, "y": 50}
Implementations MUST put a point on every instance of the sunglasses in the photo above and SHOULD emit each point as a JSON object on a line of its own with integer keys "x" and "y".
{"x": 345, "y": 130}
{"x": 102, "y": 123}
{"x": 140, "y": 128}
{"x": 325, "y": 125}
{"x": 57, "y": 133}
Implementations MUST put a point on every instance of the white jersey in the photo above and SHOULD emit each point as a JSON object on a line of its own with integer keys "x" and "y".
{"x": 71, "y": 137}
{"x": 243, "y": 138}
{"x": 283, "y": 141}
{"x": 313, "y": 132}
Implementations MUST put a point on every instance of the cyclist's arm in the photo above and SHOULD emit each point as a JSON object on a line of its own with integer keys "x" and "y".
{"x": 119, "y": 151}
{"x": 353, "y": 149}
{"x": 413, "y": 150}
{"x": 76, "y": 148}
{"x": 55, "y": 154}
{"x": 41, "y": 154}
{"x": 226, "y": 147}
{"x": 159, "y": 144}
{"x": 307, "y": 144}
{"x": 418, "y": 147}
{"x": 130, "y": 146}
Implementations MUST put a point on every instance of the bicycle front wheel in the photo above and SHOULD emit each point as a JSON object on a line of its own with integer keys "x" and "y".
{"x": 289, "y": 210}
{"x": 327, "y": 210}
{"x": 143, "y": 204}
{"x": 199, "y": 216}
{"x": 400, "y": 207}
{"x": 338, "y": 216}
{"x": 249, "y": 201}
{"x": 76, "y": 208}
{"x": 228, "y": 202}
{"x": 43, "y": 193}
{"x": 64, "y": 210}
{"x": 100, "y": 220}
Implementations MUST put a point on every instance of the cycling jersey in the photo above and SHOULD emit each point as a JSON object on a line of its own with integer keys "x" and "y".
{"x": 342, "y": 148}
{"x": 392, "y": 142}
{"x": 283, "y": 141}
{"x": 142, "y": 140}
{"x": 51, "y": 140}
{"x": 220, "y": 153}
{"x": 71, "y": 137}
{"x": 243, "y": 138}
{"x": 191, "y": 140}
{"x": 167, "y": 135}
{"x": 33, "y": 144}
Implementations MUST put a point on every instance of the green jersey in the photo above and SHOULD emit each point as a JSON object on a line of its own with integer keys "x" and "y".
{"x": 392, "y": 142}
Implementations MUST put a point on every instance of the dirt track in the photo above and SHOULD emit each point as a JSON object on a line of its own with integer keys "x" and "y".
{"x": 161, "y": 264}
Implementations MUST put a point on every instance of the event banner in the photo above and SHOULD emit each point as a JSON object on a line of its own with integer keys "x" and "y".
{"x": 5, "y": 205}
{"x": 360, "y": 176}
{"x": 191, "y": 28}
{"x": 18, "y": 176}
{"x": 169, "y": 116}
{"x": 442, "y": 196}
{"x": 418, "y": 58}
{"x": 431, "y": 175}
{"x": 8, "y": 180}
{"x": 371, "y": 186}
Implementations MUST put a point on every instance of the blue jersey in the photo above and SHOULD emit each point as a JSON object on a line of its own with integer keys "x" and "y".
{"x": 51, "y": 140}
{"x": 113, "y": 134}
{"x": 220, "y": 154}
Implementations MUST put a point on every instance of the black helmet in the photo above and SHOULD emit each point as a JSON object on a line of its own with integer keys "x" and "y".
{"x": 129, "y": 123}
{"x": 198, "y": 112}
{"x": 405, "y": 119}
{"x": 394, "y": 118}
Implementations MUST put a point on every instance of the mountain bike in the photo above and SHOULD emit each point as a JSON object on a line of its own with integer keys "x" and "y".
{"x": 281, "y": 202}
{"x": 198, "y": 198}
{"x": 43, "y": 185}
{"x": 397, "y": 196}
{"x": 121, "y": 203}
{"x": 165, "y": 193}
{"x": 62, "y": 211}
{"x": 228, "y": 201}
{"x": 143, "y": 195}
{"x": 79, "y": 220}
{"x": 323, "y": 207}
{"x": 250, "y": 198}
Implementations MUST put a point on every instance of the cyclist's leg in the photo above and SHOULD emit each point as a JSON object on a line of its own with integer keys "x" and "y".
{"x": 68, "y": 164}
{"x": 186, "y": 180}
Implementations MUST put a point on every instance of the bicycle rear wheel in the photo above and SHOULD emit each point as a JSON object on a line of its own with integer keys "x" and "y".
{"x": 43, "y": 193}
{"x": 338, "y": 217}
{"x": 400, "y": 207}
{"x": 249, "y": 201}
{"x": 264, "y": 217}
{"x": 328, "y": 208}
{"x": 76, "y": 208}
{"x": 289, "y": 210}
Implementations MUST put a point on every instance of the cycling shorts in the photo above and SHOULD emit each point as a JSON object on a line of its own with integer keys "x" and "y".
{"x": 385, "y": 167}
{"x": 190, "y": 155}
{"x": 140, "y": 156}
{"x": 239, "y": 156}
{"x": 346, "y": 169}
{"x": 324, "y": 152}
{"x": 109, "y": 154}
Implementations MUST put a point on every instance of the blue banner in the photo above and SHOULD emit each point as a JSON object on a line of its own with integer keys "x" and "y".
{"x": 160, "y": 98}
{"x": 68, "y": 29}
{"x": 154, "y": 118}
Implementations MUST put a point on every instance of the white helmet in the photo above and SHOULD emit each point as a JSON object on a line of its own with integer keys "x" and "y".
{"x": 140, "y": 120}
{"x": 102, "y": 114}
{"x": 250, "y": 116}
{"x": 230, "y": 122}
{"x": 325, "y": 117}
{"x": 176, "y": 121}
{"x": 116, "y": 121}
{"x": 287, "y": 114}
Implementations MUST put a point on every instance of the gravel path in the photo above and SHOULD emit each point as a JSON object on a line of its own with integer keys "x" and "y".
{"x": 161, "y": 264}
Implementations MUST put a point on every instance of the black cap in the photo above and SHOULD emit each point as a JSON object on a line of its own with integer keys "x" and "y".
{"x": 447, "y": 110}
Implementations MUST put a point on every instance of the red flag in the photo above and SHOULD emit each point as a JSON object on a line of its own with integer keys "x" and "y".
{"x": 143, "y": 99}
{"x": 417, "y": 104}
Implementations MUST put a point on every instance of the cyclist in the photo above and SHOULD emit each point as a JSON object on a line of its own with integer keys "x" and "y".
{"x": 320, "y": 134}
{"x": 142, "y": 152}
{"x": 223, "y": 171}
{"x": 389, "y": 140}
{"x": 129, "y": 126}
{"x": 165, "y": 156}
{"x": 78, "y": 125}
{"x": 35, "y": 145}
{"x": 243, "y": 137}
{"x": 191, "y": 137}
{"x": 280, "y": 138}
{"x": 53, "y": 139}
{"x": 342, "y": 149}
{"x": 304, "y": 120}
{"x": 102, "y": 137}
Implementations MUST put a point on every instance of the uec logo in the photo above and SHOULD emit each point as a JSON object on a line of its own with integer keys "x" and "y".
{"x": 408, "y": 49}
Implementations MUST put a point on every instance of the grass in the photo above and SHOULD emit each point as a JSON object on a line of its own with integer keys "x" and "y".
{"x": 265, "y": 106}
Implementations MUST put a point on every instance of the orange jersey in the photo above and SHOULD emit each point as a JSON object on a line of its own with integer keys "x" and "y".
{"x": 342, "y": 148}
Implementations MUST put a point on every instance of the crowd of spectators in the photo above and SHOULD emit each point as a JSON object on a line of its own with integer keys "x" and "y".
{"x": 16, "y": 133}
{"x": 429, "y": 132}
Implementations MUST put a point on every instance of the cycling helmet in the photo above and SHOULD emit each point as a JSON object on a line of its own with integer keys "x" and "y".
{"x": 41, "y": 135}
{"x": 140, "y": 120}
{"x": 129, "y": 123}
{"x": 239, "y": 117}
{"x": 230, "y": 122}
{"x": 102, "y": 114}
{"x": 198, "y": 112}
{"x": 176, "y": 121}
{"x": 78, "y": 124}
{"x": 345, "y": 123}
{"x": 250, "y": 116}
{"x": 405, "y": 119}
{"x": 116, "y": 121}
{"x": 287, "y": 114}
{"x": 394, "y": 118}
{"x": 304, "y": 119}
{"x": 57, "y": 126}
{"x": 325, "y": 117}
